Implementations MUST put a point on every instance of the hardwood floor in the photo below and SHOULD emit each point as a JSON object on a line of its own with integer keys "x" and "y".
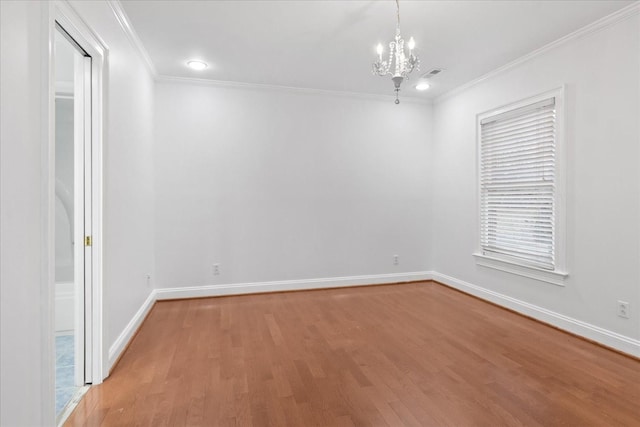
{"x": 417, "y": 354}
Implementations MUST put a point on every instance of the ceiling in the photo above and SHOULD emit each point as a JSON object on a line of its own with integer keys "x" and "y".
{"x": 330, "y": 45}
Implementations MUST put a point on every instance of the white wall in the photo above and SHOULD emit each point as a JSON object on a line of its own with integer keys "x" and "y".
{"x": 128, "y": 169}
{"x": 21, "y": 270}
{"x": 602, "y": 74}
{"x": 276, "y": 185}
{"x": 27, "y": 362}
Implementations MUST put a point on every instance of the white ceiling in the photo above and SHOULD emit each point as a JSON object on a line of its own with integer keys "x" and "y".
{"x": 330, "y": 45}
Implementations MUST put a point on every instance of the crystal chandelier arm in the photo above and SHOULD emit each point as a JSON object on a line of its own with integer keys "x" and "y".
{"x": 400, "y": 63}
{"x": 380, "y": 68}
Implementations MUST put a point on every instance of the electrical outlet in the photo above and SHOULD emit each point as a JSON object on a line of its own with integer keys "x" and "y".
{"x": 396, "y": 260}
{"x": 216, "y": 269}
{"x": 623, "y": 309}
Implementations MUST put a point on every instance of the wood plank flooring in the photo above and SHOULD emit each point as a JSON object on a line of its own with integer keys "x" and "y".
{"x": 417, "y": 354}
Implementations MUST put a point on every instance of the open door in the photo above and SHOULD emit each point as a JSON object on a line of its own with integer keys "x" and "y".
{"x": 73, "y": 245}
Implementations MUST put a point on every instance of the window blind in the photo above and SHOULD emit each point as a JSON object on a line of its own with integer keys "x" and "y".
{"x": 518, "y": 183}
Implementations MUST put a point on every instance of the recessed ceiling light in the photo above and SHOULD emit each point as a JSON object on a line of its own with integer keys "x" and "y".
{"x": 422, "y": 86}
{"x": 197, "y": 65}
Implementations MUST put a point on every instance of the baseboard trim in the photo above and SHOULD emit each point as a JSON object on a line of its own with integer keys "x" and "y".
{"x": 582, "y": 329}
{"x": 577, "y": 327}
{"x": 288, "y": 285}
{"x": 124, "y": 339}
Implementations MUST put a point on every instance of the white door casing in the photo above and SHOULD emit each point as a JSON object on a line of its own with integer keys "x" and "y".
{"x": 92, "y": 67}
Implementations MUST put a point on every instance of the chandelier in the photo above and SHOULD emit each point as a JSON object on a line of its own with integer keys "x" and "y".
{"x": 399, "y": 65}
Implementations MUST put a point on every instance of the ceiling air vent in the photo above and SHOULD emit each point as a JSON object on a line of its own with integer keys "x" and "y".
{"x": 432, "y": 73}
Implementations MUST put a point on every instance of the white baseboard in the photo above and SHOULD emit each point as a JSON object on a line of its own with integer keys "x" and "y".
{"x": 127, "y": 334}
{"x": 608, "y": 338}
{"x": 603, "y": 336}
{"x": 288, "y": 285}
{"x": 247, "y": 288}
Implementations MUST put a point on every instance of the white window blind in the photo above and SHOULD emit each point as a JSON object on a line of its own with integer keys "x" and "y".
{"x": 518, "y": 184}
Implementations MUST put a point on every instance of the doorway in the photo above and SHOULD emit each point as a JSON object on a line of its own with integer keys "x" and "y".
{"x": 78, "y": 60}
{"x": 73, "y": 214}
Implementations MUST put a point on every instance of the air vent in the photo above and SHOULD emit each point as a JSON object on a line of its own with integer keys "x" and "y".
{"x": 432, "y": 73}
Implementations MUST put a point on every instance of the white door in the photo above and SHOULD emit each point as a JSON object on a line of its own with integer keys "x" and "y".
{"x": 73, "y": 301}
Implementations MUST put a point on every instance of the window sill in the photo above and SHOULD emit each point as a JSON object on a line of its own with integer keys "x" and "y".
{"x": 554, "y": 277}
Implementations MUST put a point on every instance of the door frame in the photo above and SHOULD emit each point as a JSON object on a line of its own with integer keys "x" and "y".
{"x": 61, "y": 12}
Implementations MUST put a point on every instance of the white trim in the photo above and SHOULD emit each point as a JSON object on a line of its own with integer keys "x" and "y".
{"x": 132, "y": 35}
{"x": 47, "y": 250}
{"x": 80, "y": 142}
{"x": 562, "y": 166}
{"x": 134, "y": 39}
{"x": 611, "y": 339}
{"x": 558, "y": 275}
{"x": 301, "y": 90}
{"x": 79, "y": 25}
{"x": 288, "y": 285}
{"x": 603, "y": 336}
{"x": 99, "y": 105}
{"x": 127, "y": 334}
{"x": 71, "y": 405}
{"x": 522, "y": 102}
{"x": 554, "y": 277}
{"x": 600, "y": 24}
{"x": 248, "y": 288}
{"x": 78, "y": 29}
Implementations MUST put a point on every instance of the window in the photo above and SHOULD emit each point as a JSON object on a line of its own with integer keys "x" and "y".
{"x": 520, "y": 188}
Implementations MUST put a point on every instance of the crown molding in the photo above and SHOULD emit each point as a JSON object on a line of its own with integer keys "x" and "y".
{"x": 127, "y": 27}
{"x": 125, "y": 24}
{"x": 594, "y": 27}
{"x": 600, "y": 24}
{"x": 132, "y": 35}
{"x": 300, "y": 90}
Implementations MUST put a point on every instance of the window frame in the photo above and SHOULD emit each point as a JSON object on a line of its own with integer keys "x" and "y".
{"x": 558, "y": 275}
